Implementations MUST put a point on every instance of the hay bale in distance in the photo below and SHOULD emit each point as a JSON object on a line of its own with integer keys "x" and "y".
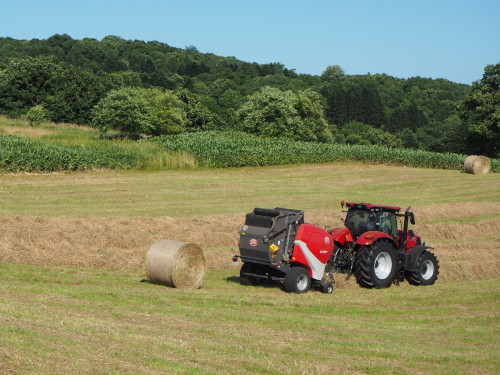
{"x": 477, "y": 164}
{"x": 176, "y": 264}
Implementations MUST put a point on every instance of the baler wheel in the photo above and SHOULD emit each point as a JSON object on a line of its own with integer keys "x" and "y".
{"x": 327, "y": 288}
{"x": 426, "y": 270}
{"x": 253, "y": 280}
{"x": 376, "y": 265}
{"x": 297, "y": 280}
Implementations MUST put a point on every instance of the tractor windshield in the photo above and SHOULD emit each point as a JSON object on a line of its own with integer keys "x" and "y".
{"x": 361, "y": 221}
{"x": 388, "y": 224}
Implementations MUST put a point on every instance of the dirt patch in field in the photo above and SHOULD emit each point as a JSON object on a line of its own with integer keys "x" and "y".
{"x": 23, "y": 131}
{"x": 467, "y": 249}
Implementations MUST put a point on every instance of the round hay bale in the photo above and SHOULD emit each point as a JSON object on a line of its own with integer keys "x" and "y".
{"x": 477, "y": 164}
{"x": 176, "y": 264}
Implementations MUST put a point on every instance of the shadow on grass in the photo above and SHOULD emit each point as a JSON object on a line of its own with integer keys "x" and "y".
{"x": 258, "y": 282}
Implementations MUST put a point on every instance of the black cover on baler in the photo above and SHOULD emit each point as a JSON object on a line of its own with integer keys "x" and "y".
{"x": 263, "y": 217}
{"x": 265, "y": 227}
{"x": 256, "y": 220}
{"x": 266, "y": 212}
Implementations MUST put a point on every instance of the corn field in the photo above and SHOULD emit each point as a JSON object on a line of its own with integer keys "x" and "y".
{"x": 19, "y": 154}
{"x": 237, "y": 149}
{"x": 211, "y": 149}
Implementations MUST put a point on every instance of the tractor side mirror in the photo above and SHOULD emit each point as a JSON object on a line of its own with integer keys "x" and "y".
{"x": 412, "y": 218}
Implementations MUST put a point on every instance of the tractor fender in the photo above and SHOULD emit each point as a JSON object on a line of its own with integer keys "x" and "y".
{"x": 412, "y": 256}
{"x": 368, "y": 238}
{"x": 341, "y": 235}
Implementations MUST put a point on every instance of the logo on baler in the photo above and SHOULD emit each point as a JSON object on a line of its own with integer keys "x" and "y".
{"x": 327, "y": 240}
{"x": 253, "y": 242}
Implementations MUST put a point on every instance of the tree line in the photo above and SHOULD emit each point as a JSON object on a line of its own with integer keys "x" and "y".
{"x": 151, "y": 88}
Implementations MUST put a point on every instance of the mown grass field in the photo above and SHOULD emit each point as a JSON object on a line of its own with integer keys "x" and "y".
{"x": 72, "y": 261}
{"x": 237, "y": 190}
{"x": 73, "y": 300}
{"x": 73, "y": 321}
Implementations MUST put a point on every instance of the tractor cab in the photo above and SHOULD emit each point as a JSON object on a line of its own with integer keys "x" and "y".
{"x": 364, "y": 217}
{"x": 367, "y": 217}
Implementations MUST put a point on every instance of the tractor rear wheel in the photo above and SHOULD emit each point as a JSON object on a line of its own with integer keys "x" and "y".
{"x": 376, "y": 265}
{"x": 297, "y": 280}
{"x": 426, "y": 270}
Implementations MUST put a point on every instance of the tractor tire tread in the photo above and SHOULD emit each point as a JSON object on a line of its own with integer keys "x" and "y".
{"x": 364, "y": 265}
{"x": 291, "y": 280}
{"x": 415, "y": 277}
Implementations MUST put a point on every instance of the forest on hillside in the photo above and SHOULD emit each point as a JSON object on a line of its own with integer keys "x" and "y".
{"x": 152, "y": 88}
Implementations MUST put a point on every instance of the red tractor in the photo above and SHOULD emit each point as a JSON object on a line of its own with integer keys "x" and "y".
{"x": 276, "y": 244}
{"x": 377, "y": 252}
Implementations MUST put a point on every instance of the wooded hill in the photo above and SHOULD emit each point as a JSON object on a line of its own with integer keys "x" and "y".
{"x": 69, "y": 77}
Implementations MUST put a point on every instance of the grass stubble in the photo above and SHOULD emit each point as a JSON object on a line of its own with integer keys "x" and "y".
{"x": 81, "y": 320}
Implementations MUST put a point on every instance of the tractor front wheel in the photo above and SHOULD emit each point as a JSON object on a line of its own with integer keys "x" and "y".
{"x": 426, "y": 270}
{"x": 297, "y": 280}
{"x": 376, "y": 265}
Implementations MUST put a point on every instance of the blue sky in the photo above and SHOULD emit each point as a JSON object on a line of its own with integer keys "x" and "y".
{"x": 406, "y": 38}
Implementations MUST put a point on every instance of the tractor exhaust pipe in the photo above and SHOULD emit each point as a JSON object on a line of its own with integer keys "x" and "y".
{"x": 409, "y": 216}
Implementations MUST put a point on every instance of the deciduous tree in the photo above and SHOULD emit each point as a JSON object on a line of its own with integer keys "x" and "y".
{"x": 481, "y": 113}
{"x": 36, "y": 115}
{"x": 136, "y": 111}
{"x": 276, "y": 113}
{"x": 125, "y": 110}
{"x": 66, "y": 91}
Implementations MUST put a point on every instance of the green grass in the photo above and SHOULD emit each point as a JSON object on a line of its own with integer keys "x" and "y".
{"x": 107, "y": 322}
{"x": 230, "y": 191}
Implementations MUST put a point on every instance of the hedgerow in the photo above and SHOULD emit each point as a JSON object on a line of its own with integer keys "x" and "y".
{"x": 238, "y": 149}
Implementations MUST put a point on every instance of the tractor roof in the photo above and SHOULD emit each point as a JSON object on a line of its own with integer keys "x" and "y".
{"x": 369, "y": 206}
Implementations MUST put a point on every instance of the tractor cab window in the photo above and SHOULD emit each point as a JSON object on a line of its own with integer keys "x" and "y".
{"x": 388, "y": 224}
{"x": 361, "y": 221}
